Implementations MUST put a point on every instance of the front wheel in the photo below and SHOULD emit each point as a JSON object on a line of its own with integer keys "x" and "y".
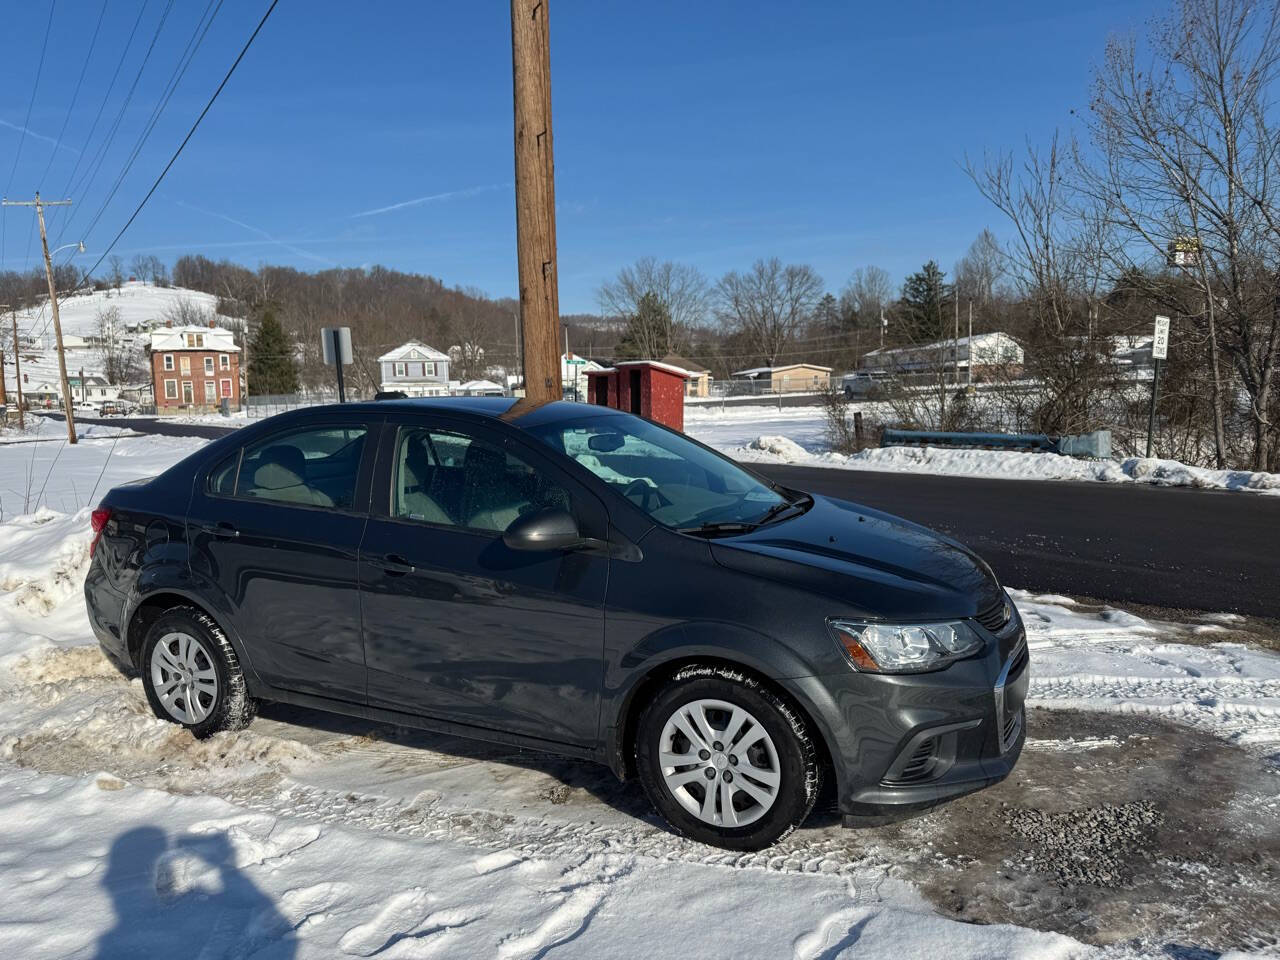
{"x": 725, "y": 760}
{"x": 192, "y": 675}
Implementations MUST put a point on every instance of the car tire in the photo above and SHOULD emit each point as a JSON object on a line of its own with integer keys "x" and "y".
{"x": 185, "y": 654}
{"x": 763, "y": 779}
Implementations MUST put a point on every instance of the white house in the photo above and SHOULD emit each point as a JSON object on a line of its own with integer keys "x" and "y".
{"x": 416, "y": 370}
{"x": 983, "y": 350}
{"x": 480, "y": 388}
{"x": 573, "y": 375}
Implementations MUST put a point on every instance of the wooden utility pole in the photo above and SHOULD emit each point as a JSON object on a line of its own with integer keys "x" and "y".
{"x": 17, "y": 368}
{"x": 535, "y": 199}
{"x": 53, "y": 301}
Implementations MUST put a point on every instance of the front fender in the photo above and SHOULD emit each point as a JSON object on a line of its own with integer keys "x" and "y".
{"x": 728, "y": 643}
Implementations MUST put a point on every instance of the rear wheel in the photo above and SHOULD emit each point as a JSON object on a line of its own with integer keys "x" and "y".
{"x": 192, "y": 675}
{"x": 725, "y": 760}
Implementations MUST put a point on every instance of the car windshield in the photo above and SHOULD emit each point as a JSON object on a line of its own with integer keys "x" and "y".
{"x": 677, "y": 482}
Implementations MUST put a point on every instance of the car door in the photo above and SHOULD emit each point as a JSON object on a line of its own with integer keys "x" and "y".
{"x": 459, "y": 626}
{"x": 276, "y": 527}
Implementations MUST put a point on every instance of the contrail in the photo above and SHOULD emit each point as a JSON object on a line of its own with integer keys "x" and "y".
{"x": 297, "y": 251}
{"x": 36, "y": 136}
{"x": 435, "y": 197}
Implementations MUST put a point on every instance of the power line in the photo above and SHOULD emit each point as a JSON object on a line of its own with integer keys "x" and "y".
{"x": 185, "y": 140}
{"x": 179, "y": 71}
{"x": 86, "y": 181}
{"x": 76, "y": 95}
{"x": 93, "y": 128}
{"x": 22, "y": 139}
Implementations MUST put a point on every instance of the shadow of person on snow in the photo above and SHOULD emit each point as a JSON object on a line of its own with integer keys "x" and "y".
{"x": 187, "y": 895}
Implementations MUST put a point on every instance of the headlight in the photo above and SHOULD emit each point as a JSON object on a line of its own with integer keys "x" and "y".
{"x": 904, "y": 647}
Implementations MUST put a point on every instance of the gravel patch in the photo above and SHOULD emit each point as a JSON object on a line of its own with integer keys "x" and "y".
{"x": 1094, "y": 845}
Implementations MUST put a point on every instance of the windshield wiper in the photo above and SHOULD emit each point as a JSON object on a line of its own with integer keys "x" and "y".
{"x": 717, "y": 529}
{"x": 801, "y": 502}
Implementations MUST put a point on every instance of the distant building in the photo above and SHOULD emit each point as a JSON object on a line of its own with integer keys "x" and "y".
{"x": 789, "y": 378}
{"x": 193, "y": 369}
{"x": 480, "y": 388}
{"x": 93, "y": 389}
{"x": 415, "y": 370}
{"x": 699, "y": 382}
{"x": 987, "y": 352}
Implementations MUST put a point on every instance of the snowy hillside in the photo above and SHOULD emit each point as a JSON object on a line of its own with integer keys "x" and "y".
{"x": 139, "y": 304}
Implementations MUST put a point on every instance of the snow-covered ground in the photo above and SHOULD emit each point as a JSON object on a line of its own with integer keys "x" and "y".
{"x": 120, "y": 836}
{"x": 38, "y": 468}
{"x": 798, "y": 435}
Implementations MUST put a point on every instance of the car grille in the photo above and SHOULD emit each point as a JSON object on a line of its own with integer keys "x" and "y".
{"x": 993, "y": 617}
{"x": 919, "y": 766}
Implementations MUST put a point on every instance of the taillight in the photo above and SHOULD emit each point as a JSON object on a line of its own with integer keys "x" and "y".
{"x": 98, "y": 520}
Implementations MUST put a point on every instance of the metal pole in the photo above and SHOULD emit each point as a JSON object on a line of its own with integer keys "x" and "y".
{"x": 970, "y": 370}
{"x": 337, "y": 362}
{"x": 1151, "y": 415}
{"x": 17, "y": 368}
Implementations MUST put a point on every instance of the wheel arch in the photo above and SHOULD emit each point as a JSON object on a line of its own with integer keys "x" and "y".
{"x": 154, "y": 604}
{"x": 623, "y": 733}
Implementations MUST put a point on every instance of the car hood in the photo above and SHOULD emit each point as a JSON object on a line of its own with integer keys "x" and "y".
{"x": 871, "y": 563}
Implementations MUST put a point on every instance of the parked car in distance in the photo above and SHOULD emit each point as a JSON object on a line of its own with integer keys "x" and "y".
{"x": 573, "y": 579}
{"x": 865, "y": 384}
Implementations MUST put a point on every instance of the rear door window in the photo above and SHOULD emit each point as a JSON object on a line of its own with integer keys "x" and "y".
{"x": 314, "y": 467}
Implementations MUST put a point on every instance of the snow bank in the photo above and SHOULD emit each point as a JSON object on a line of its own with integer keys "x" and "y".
{"x": 1009, "y": 465}
{"x": 1112, "y": 660}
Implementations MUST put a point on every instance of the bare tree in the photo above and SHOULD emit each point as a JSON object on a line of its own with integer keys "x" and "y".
{"x": 977, "y": 272}
{"x": 1053, "y": 264}
{"x": 769, "y": 304}
{"x": 868, "y": 291}
{"x": 116, "y": 270}
{"x": 187, "y": 313}
{"x": 120, "y": 363}
{"x": 1190, "y": 156}
{"x": 140, "y": 267}
{"x": 678, "y": 291}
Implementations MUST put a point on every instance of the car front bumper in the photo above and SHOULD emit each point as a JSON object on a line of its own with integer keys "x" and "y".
{"x": 902, "y": 744}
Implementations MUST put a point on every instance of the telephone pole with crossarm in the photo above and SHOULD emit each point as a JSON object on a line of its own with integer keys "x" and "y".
{"x": 53, "y": 301}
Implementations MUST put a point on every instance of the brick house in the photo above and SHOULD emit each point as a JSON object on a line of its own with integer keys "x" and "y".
{"x": 194, "y": 368}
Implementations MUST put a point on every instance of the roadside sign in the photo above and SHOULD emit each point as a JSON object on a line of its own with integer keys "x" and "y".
{"x": 343, "y": 335}
{"x": 1160, "y": 343}
{"x": 575, "y": 361}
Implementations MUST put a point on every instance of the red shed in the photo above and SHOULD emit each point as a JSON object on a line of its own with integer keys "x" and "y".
{"x": 645, "y": 387}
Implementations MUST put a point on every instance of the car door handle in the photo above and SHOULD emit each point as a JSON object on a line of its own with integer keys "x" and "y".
{"x": 393, "y": 564}
{"x": 222, "y": 529}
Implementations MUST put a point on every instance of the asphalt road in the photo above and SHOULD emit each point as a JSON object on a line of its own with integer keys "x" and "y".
{"x": 1181, "y": 549}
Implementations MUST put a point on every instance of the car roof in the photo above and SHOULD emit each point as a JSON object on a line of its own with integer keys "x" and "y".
{"x": 519, "y": 412}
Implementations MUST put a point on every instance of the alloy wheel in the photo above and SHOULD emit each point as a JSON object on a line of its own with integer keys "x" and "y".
{"x": 183, "y": 677}
{"x": 719, "y": 763}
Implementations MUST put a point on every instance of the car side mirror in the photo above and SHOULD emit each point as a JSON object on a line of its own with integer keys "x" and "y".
{"x": 550, "y": 529}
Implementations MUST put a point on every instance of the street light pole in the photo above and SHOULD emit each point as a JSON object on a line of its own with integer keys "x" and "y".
{"x": 53, "y": 301}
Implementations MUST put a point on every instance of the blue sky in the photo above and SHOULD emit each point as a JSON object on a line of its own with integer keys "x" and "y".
{"x": 707, "y": 132}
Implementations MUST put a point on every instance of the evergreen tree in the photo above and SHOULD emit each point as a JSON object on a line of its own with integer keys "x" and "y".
{"x": 272, "y": 366}
{"x": 826, "y": 316}
{"x": 650, "y": 334}
{"x": 926, "y": 298}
